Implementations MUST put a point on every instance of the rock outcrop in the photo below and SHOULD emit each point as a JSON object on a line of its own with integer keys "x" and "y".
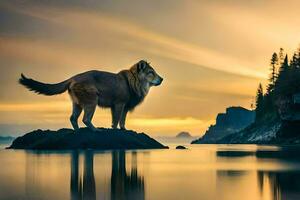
{"x": 104, "y": 139}
{"x": 181, "y": 147}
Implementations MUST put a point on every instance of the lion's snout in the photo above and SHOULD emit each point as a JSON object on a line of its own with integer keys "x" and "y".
{"x": 161, "y": 80}
{"x": 158, "y": 81}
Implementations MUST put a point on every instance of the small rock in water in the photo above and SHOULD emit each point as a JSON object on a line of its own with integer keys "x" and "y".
{"x": 181, "y": 147}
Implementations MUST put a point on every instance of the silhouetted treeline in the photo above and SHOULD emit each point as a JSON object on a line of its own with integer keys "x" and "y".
{"x": 283, "y": 84}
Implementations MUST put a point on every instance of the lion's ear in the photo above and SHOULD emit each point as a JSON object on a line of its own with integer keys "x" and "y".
{"x": 141, "y": 66}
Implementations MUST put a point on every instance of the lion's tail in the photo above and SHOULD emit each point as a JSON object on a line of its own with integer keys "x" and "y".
{"x": 44, "y": 88}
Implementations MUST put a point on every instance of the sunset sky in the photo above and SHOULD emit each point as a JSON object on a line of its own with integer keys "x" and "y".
{"x": 211, "y": 54}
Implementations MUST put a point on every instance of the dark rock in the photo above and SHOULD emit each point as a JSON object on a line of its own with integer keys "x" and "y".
{"x": 181, "y": 147}
{"x": 234, "y": 120}
{"x": 104, "y": 139}
{"x": 183, "y": 134}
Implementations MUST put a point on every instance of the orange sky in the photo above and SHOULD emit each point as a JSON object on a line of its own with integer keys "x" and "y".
{"x": 212, "y": 54}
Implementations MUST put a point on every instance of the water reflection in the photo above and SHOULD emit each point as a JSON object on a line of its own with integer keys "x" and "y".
{"x": 271, "y": 185}
{"x": 231, "y": 173}
{"x": 75, "y": 185}
{"x": 123, "y": 185}
{"x": 204, "y": 172}
{"x": 83, "y": 188}
{"x": 280, "y": 185}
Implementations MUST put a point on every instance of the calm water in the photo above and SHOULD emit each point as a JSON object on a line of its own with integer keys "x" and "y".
{"x": 205, "y": 172}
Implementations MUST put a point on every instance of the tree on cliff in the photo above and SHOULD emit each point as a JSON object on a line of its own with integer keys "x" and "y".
{"x": 259, "y": 104}
{"x": 279, "y": 83}
{"x": 281, "y": 87}
{"x": 281, "y": 56}
{"x": 273, "y": 75}
{"x": 282, "y": 82}
{"x": 293, "y": 81}
{"x": 288, "y": 81}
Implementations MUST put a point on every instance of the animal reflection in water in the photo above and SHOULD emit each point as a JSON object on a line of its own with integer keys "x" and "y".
{"x": 87, "y": 188}
{"x": 123, "y": 186}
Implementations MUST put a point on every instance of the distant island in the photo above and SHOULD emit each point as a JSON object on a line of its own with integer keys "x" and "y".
{"x": 84, "y": 138}
{"x": 6, "y": 139}
{"x": 277, "y": 111}
{"x": 183, "y": 134}
{"x": 181, "y": 138}
{"x": 232, "y": 121}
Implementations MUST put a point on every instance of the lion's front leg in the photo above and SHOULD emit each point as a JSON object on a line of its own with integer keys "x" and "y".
{"x": 123, "y": 119}
{"x": 117, "y": 112}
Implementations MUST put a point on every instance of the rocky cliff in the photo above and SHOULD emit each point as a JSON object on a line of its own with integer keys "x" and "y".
{"x": 273, "y": 131}
{"x": 232, "y": 121}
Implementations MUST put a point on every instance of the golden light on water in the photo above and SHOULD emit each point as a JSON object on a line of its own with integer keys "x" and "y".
{"x": 197, "y": 173}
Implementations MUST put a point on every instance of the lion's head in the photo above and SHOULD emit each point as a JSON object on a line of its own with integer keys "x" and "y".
{"x": 147, "y": 74}
{"x": 142, "y": 77}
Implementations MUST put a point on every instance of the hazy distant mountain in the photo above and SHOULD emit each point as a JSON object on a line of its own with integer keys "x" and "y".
{"x": 6, "y": 139}
{"x": 183, "y": 134}
{"x": 233, "y": 120}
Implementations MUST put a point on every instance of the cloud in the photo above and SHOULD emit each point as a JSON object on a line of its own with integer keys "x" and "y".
{"x": 267, "y": 25}
{"x": 139, "y": 37}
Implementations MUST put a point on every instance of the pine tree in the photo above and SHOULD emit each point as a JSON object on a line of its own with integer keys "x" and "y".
{"x": 293, "y": 61}
{"x": 297, "y": 63}
{"x": 284, "y": 66}
{"x": 259, "y": 103}
{"x": 281, "y": 56}
{"x": 273, "y": 75}
{"x": 294, "y": 74}
{"x": 282, "y": 81}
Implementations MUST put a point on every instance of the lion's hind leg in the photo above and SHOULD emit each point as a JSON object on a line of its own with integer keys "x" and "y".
{"x": 89, "y": 111}
{"x": 77, "y": 109}
{"x": 85, "y": 95}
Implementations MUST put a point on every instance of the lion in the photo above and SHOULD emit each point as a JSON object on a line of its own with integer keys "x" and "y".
{"x": 121, "y": 92}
